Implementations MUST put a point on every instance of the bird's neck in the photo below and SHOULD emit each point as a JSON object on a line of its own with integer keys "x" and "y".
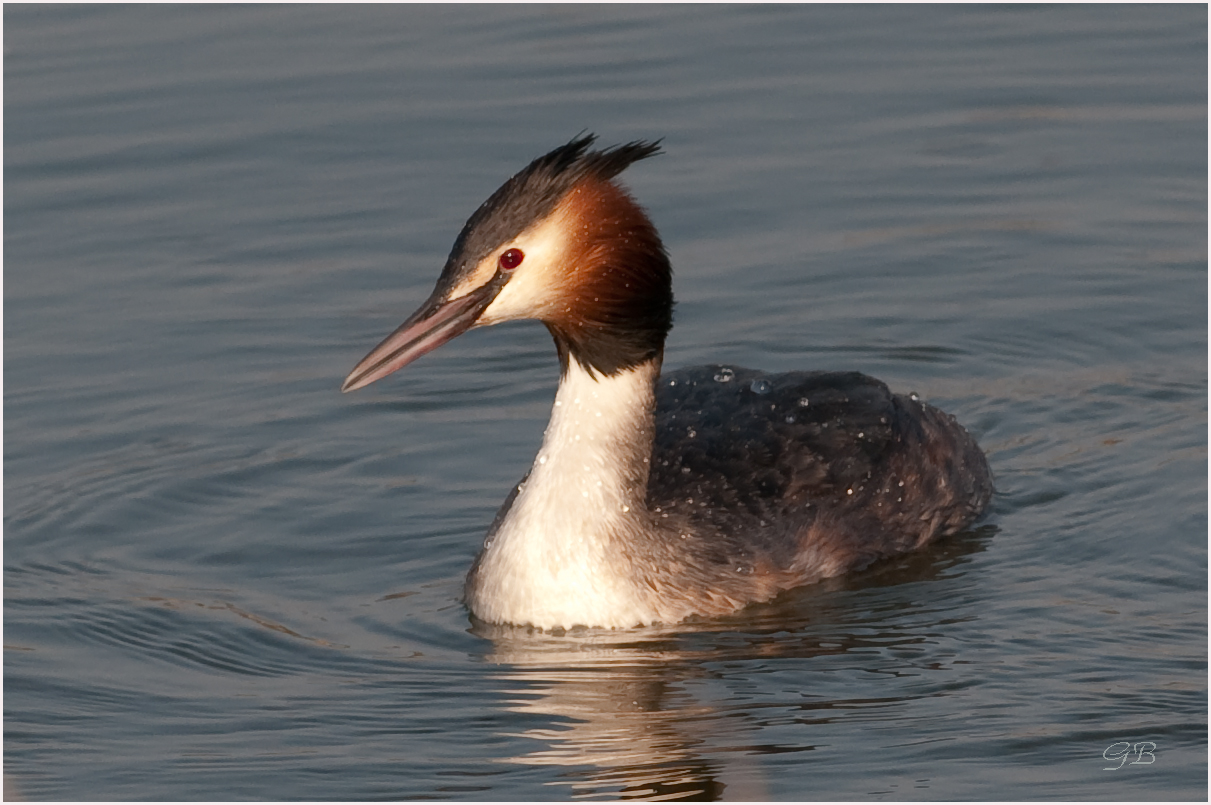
{"x": 558, "y": 556}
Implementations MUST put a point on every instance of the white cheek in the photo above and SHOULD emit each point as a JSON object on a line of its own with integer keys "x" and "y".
{"x": 537, "y": 286}
{"x": 521, "y": 298}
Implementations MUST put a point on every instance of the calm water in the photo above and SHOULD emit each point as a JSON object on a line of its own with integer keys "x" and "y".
{"x": 223, "y": 579}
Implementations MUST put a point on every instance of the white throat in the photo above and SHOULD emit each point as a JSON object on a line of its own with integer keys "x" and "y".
{"x": 558, "y": 558}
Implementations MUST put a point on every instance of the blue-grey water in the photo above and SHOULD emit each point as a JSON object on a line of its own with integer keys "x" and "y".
{"x": 225, "y": 580}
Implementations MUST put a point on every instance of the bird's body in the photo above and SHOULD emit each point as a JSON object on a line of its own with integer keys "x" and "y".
{"x": 656, "y": 497}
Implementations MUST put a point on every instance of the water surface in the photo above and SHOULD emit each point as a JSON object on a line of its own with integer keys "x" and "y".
{"x": 225, "y": 580}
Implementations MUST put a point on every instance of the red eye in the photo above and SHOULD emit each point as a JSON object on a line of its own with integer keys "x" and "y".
{"x": 511, "y": 259}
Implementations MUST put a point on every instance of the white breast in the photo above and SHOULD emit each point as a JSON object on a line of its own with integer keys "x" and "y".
{"x": 557, "y": 559}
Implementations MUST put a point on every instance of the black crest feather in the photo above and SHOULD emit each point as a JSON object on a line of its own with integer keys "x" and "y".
{"x": 533, "y": 192}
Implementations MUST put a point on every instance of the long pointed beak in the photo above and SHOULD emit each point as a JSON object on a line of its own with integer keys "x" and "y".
{"x": 425, "y": 330}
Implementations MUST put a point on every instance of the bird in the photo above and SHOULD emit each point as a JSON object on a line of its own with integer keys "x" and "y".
{"x": 660, "y": 497}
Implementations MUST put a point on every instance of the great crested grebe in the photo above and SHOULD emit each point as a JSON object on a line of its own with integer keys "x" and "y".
{"x": 656, "y": 497}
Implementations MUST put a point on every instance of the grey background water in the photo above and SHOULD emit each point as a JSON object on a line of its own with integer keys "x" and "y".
{"x": 223, "y": 579}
